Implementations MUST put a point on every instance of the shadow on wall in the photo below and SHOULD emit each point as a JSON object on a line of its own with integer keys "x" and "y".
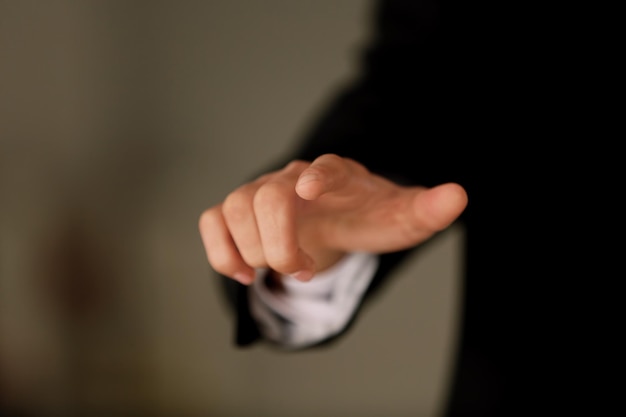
{"x": 84, "y": 153}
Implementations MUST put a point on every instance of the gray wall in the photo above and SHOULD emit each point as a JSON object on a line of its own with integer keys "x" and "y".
{"x": 120, "y": 121}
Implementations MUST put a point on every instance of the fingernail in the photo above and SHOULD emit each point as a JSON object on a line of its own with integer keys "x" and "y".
{"x": 303, "y": 275}
{"x": 307, "y": 178}
{"x": 243, "y": 278}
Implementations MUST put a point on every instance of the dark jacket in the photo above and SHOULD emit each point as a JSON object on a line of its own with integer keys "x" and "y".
{"x": 469, "y": 92}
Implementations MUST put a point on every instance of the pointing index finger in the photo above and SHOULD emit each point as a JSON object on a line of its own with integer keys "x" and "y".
{"x": 327, "y": 173}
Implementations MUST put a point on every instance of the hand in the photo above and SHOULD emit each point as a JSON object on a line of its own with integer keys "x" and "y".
{"x": 307, "y": 216}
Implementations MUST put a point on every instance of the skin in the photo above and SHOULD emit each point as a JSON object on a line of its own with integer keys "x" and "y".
{"x": 304, "y": 218}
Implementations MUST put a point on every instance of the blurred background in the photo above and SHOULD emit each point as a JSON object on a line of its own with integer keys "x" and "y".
{"x": 120, "y": 122}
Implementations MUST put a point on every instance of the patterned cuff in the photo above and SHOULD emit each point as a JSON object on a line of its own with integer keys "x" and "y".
{"x": 301, "y": 314}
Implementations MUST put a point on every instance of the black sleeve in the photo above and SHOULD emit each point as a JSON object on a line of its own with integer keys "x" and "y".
{"x": 399, "y": 100}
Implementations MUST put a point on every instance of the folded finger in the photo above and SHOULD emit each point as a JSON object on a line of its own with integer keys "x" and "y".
{"x": 275, "y": 205}
{"x": 240, "y": 219}
{"x": 220, "y": 248}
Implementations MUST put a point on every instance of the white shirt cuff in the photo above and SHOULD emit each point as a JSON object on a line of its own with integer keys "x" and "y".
{"x": 305, "y": 313}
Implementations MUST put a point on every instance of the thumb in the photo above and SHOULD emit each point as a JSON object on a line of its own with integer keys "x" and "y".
{"x": 436, "y": 208}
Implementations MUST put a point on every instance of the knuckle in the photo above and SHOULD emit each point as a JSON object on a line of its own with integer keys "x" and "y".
{"x": 236, "y": 206}
{"x": 332, "y": 162}
{"x": 207, "y": 218}
{"x": 254, "y": 259}
{"x": 223, "y": 264}
{"x": 268, "y": 194}
{"x": 296, "y": 165}
{"x": 283, "y": 261}
{"x": 331, "y": 165}
{"x": 251, "y": 251}
{"x": 332, "y": 158}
